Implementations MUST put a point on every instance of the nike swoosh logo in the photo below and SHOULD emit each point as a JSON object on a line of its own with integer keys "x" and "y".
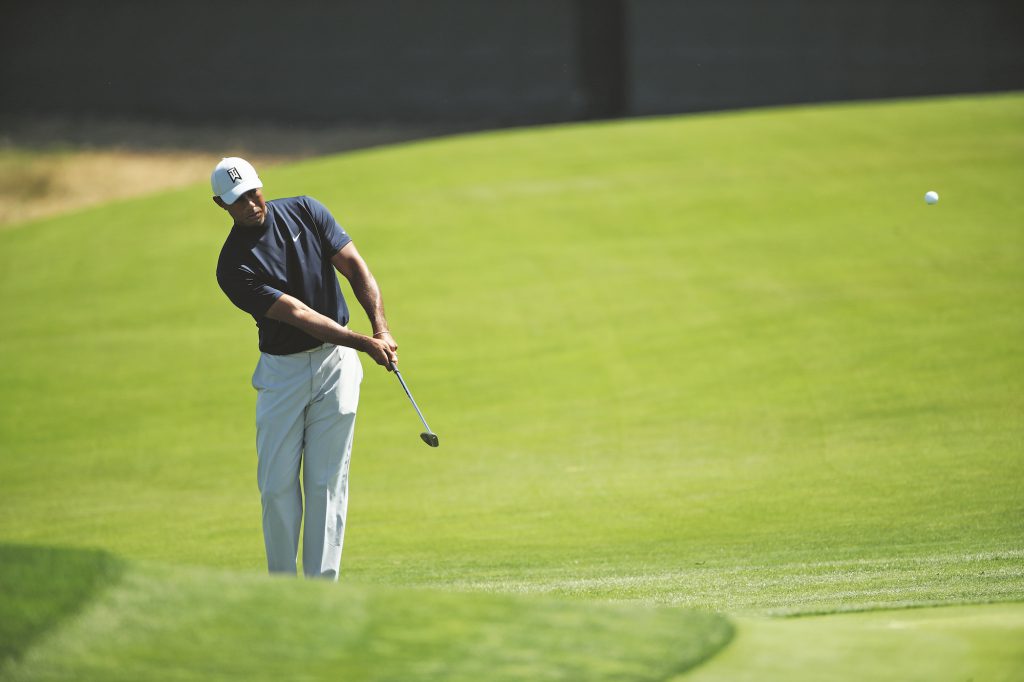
{"x": 295, "y": 237}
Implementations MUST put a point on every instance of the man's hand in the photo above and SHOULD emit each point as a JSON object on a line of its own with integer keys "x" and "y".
{"x": 383, "y": 349}
{"x": 386, "y": 337}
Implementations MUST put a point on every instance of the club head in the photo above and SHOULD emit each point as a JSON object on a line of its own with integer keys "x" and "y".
{"x": 430, "y": 439}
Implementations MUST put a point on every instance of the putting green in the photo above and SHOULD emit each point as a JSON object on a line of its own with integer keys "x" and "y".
{"x": 916, "y": 645}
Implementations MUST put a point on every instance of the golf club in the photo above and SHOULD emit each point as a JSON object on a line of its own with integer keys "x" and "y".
{"x": 430, "y": 438}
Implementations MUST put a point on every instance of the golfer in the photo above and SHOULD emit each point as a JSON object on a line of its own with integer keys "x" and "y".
{"x": 278, "y": 264}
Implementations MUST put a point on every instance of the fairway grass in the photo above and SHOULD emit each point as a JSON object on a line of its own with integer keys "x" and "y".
{"x": 786, "y": 588}
{"x": 727, "y": 361}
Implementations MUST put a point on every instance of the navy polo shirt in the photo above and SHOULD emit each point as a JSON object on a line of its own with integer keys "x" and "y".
{"x": 290, "y": 253}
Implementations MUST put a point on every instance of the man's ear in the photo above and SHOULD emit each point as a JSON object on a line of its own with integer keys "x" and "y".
{"x": 220, "y": 202}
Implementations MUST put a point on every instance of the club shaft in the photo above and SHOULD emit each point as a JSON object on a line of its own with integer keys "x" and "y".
{"x": 394, "y": 368}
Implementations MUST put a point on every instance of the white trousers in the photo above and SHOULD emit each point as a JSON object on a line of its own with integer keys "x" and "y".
{"x": 305, "y": 416}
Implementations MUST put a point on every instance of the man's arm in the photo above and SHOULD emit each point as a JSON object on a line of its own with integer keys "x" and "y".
{"x": 291, "y": 310}
{"x": 350, "y": 264}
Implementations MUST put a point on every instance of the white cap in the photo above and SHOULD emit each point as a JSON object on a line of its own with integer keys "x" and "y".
{"x": 232, "y": 178}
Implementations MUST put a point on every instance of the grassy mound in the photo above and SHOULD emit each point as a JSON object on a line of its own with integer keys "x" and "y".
{"x": 731, "y": 361}
{"x": 204, "y": 624}
{"x": 41, "y": 586}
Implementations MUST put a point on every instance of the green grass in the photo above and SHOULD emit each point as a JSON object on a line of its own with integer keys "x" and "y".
{"x": 727, "y": 361}
{"x": 42, "y": 586}
{"x": 207, "y": 624}
{"x": 915, "y": 645}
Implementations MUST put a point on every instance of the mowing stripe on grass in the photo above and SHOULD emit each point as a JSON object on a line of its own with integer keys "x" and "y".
{"x": 793, "y": 588}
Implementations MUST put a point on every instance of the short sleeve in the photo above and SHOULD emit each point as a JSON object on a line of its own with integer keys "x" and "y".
{"x": 333, "y": 234}
{"x": 246, "y": 291}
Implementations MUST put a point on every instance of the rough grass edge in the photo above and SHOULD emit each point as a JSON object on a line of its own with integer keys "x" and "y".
{"x": 43, "y": 587}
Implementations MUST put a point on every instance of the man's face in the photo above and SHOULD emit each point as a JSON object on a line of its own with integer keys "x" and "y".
{"x": 249, "y": 210}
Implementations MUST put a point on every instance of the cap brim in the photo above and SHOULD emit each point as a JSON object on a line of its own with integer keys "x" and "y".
{"x": 231, "y": 196}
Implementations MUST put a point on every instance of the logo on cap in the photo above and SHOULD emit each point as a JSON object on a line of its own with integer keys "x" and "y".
{"x": 234, "y": 175}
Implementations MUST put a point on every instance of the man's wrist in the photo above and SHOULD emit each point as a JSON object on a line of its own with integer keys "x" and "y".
{"x": 381, "y": 332}
{"x": 362, "y": 343}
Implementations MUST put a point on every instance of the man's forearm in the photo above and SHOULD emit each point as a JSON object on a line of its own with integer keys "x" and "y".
{"x": 320, "y": 327}
{"x": 366, "y": 291}
{"x": 324, "y": 328}
{"x": 291, "y": 310}
{"x": 350, "y": 264}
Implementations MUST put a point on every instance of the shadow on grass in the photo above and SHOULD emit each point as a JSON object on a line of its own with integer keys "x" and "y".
{"x": 40, "y": 586}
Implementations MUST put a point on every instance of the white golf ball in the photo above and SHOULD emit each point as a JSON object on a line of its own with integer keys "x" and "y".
{"x": 931, "y": 198}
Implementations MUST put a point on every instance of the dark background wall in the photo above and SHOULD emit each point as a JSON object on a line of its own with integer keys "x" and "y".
{"x": 703, "y": 54}
{"x": 494, "y": 61}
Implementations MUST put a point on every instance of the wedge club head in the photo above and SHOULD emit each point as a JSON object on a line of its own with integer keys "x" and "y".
{"x": 428, "y": 437}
